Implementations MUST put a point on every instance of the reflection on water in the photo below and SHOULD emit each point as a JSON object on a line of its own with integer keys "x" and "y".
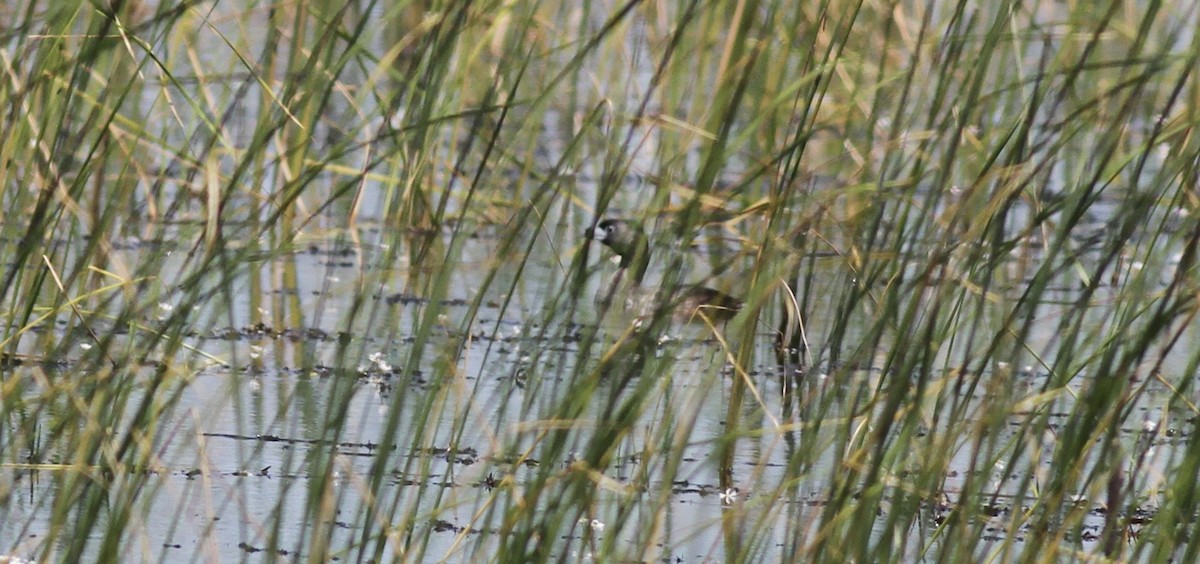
{"x": 249, "y": 439}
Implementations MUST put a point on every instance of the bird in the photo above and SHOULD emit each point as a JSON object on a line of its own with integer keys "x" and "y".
{"x": 691, "y": 303}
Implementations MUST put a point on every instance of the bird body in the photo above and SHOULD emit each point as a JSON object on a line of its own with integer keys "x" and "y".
{"x": 689, "y": 303}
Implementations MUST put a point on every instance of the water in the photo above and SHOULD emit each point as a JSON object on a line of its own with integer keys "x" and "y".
{"x": 245, "y": 443}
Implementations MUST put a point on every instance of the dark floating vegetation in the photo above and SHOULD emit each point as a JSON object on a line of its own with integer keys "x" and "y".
{"x": 311, "y": 282}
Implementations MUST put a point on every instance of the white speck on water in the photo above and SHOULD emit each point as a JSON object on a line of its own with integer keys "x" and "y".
{"x": 9, "y": 559}
{"x": 378, "y": 362}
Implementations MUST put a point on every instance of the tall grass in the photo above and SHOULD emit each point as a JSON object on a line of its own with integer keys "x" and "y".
{"x": 307, "y": 280}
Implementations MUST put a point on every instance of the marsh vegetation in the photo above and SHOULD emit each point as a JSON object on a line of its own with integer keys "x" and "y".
{"x": 308, "y": 280}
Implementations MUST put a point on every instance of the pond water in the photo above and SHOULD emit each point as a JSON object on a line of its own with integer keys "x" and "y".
{"x": 248, "y": 438}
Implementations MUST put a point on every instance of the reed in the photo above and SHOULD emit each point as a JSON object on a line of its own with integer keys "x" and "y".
{"x": 307, "y": 280}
